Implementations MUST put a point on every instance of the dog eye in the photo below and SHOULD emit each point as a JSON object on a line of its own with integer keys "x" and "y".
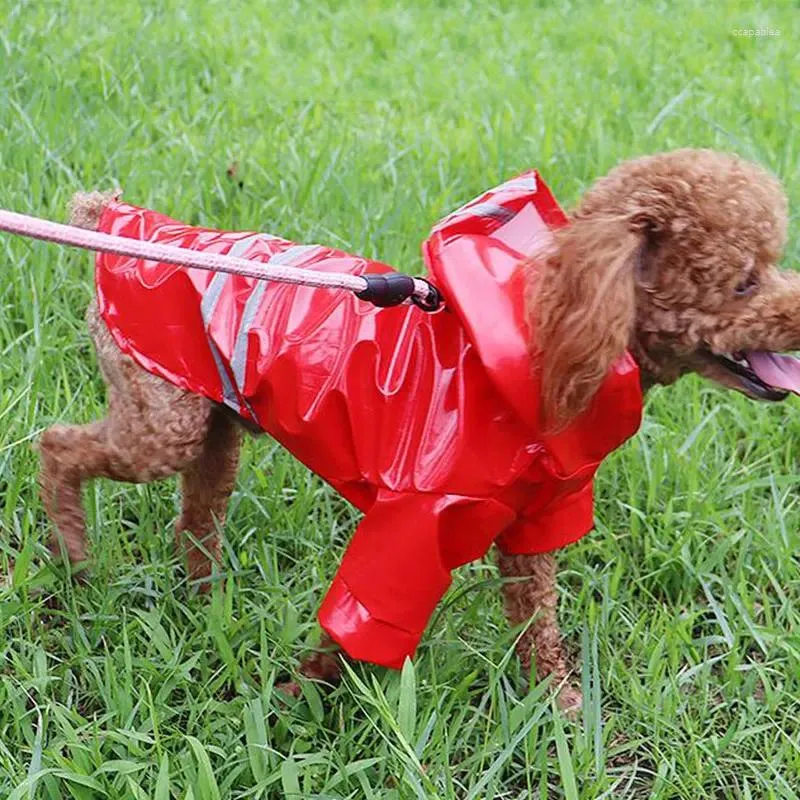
{"x": 746, "y": 287}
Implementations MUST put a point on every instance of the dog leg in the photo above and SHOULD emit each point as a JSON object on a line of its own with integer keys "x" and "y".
{"x": 207, "y": 485}
{"x": 153, "y": 430}
{"x": 535, "y": 597}
{"x": 325, "y": 664}
{"x": 70, "y": 454}
{"x": 322, "y": 665}
{"x": 111, "y": 448}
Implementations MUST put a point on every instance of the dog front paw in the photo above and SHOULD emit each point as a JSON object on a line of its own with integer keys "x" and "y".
{"x": 289, "y": 689}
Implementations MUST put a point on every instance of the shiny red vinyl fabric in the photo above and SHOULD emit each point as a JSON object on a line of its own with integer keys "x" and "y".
{"x": 428, "y": 423}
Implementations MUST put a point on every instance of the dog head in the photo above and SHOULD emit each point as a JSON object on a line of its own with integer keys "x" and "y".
{"x": 673, "y": 257}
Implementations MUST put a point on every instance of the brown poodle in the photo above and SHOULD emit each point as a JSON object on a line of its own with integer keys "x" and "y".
{"x": 672, "y": 257}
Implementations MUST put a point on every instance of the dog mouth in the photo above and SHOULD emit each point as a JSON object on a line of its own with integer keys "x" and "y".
{"x": 760, "y": 373}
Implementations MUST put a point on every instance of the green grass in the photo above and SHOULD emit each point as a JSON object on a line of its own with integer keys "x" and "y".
{"x": 359, "y": 124}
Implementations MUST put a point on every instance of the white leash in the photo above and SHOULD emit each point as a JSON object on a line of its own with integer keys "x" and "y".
{"x": 381, "y": 289}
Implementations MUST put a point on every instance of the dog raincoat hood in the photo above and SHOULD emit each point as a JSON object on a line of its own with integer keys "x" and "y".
{"x": 428, "y": 423}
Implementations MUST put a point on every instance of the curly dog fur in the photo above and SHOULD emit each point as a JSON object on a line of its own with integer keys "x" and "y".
{"x": 670, "y": 256}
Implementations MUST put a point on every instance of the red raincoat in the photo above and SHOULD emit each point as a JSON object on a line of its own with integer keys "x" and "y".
{"x": 428, "y": 423}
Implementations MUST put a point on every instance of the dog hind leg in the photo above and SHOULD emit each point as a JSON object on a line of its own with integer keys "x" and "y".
{"x": 153, "y": 430}
{"x": 207, "y": 485}
{"x": 70, "y": 454}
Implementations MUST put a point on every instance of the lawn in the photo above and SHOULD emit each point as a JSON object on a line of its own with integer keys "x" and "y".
{"x": 358, "y": 124}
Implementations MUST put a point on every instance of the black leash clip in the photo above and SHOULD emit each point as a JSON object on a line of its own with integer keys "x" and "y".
{"x": 394, "y": 288}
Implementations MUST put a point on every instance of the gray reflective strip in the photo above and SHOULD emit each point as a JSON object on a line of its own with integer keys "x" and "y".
{"x": 292, "y": 255}
{"x": 239, "y": 358}
{"x": 229, "y": 395}
{"x": 488, "y": 209}
{"x": 211, "y": 296}
{"x": 528, "y": 184}
{"x": 209, "y": 305}
{"x": 494, "y": 210}
{"x": 207, "y": 308}
{"x": 214, "y": 290}
{"x": 240, "y": 247}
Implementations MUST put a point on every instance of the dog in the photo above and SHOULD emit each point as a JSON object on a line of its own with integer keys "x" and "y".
{"x": 666, "y": 267}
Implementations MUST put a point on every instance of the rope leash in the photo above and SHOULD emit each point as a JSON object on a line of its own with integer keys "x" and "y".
{"x": 383, "y": 290}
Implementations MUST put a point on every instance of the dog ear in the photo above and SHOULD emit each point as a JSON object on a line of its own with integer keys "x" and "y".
{"x": 582, "y": 308}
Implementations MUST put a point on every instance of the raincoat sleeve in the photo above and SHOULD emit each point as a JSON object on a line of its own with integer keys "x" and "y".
{"x": 560, "y": 524}
{"x": 397, "y": 567}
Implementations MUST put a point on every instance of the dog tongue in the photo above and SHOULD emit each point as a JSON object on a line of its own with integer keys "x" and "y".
{"x": 780, "y": 372}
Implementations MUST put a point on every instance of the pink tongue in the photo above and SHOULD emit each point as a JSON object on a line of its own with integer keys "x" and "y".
{"x": 780, "y": 372}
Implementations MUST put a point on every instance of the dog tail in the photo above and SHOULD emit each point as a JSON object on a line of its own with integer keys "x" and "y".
{"x": 86, "y": 207}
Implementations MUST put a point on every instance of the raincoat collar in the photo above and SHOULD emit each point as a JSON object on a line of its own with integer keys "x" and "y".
{"x": 474, "y": 256}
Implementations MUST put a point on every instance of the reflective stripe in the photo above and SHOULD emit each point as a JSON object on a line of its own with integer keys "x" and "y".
{"x": 242, "y": 245}
{"x": 487, "y": 209}
{"x": 211, "y": 296}
{"x": 527, "y": 184}
{"x": 239, "y": 358}
{"x": 491, "y": 208}
{"x": 290, "y": 256}
{"x": 220, "y": 279}
{"x": 229, "y": 396}
{"x": 207, "y": 308}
